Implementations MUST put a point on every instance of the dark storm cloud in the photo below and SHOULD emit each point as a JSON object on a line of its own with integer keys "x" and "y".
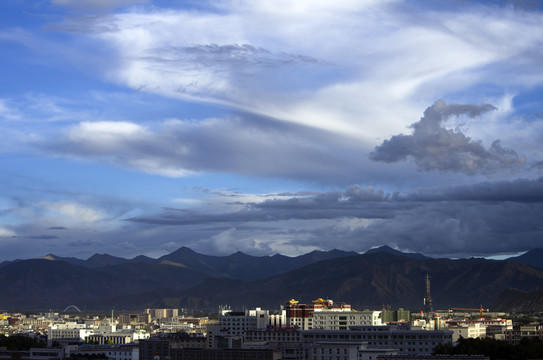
{"x": 482, "y": 219}
{"x": 57, "y": 228}
{"x": 520, "y": 191}
{"x": 330, "y": 205}
{"x": 42, "y": 237}
{"x": 434, "y": 147}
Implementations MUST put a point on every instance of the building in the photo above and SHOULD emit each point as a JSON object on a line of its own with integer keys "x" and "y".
{"x": 65, "y": 334}
{"x": 342, "y": 320}
{"x": 402, "y": 338}
{"x": 233, "y": 325}
{"x": 356, "y": 343}
{"x": 467, "y": 331}
{"x": 400, "y": 315}
{"x": 432, "y": 357}
{"x": 513, "y": 336}
{"x": 153, "y": 349}
{"x": 112, "y": 352}
{"x": 134, "y": 319}
{"x": 288, "y": 341}
{"x": 335, "y": 350}
{"x": 273, "y": 336}
{"x": 112, "y": 338}
{"x": 301, "y": 316}
{"x": 477, "y": 328}
{"x": 157, "y": 314}
{"x": 182, "y": 340}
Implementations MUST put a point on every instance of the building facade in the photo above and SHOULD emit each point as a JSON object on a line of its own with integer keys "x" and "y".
{"x": 342, "y": 320}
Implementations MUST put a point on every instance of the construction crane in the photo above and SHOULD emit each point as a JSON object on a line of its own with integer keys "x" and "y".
{"x": 481, "y": 310}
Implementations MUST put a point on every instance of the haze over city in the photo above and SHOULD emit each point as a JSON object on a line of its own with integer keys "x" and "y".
{"x": 136, "y": 127}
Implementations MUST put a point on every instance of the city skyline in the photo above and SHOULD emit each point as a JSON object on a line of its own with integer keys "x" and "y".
{"x": 137, "y": 126}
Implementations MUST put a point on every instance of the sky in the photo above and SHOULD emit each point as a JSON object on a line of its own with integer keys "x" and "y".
{"x": 135, "y": 127}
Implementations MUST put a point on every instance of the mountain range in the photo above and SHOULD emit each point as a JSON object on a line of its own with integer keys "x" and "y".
{"x": 185, "y": 278}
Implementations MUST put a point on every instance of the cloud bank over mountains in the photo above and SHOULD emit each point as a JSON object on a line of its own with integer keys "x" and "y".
{"x": 139, "y": 126}
{"x": 451, "y": 221}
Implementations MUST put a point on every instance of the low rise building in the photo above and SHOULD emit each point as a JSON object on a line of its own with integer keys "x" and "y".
{"x": 513, "y": 336}
{"x": 478, "y": 328}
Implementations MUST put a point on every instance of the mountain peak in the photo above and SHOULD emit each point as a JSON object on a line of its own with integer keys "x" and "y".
{"x": 387, "y": 249}
{"x": 240, "y": 254}
{"x": 184, "y": 250}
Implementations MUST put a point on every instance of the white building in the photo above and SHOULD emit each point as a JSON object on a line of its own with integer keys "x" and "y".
{"x": 65, "y": 333}
{"x": 237, "y": 323}
{"x": 476, "y": 328}
{"x": 334, "y": 320}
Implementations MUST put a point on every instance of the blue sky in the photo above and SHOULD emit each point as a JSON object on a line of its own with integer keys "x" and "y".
{"x": 136, "y": 127}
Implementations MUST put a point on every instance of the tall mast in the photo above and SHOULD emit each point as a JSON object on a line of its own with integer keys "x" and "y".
{"x": 428, "y": 298}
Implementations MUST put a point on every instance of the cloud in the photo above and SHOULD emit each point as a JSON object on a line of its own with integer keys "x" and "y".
{"x": 245, "y": 145}
{"x": 4, "y": 232}
{"x": 42, "y": 237}
{"x": 7, "y": 112}
{"x": 86, "y": 5}
{"x": 212, "y": 70}
{"x": 106, "y": 136}
{"x": 433, "y": 147}
{"x": 311, "y": 63}
{"x": 229, "y": 241}
{"x": 74, "y": 210}
{"x": 480, "y": 219}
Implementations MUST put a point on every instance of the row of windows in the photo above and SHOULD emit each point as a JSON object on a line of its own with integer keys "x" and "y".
{"x": 329, "y": 351}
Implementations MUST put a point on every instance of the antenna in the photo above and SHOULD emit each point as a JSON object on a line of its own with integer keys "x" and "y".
{"x": 428, "y": 298}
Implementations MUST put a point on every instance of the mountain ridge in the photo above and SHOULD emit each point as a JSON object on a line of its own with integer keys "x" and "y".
{"x": 185, "y": 278}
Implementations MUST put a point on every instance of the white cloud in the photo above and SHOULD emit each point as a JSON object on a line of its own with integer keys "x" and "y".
{"x": 7, "y": 112}
{"x": 381, "y": 57}
{"x": 74, "y": 210}
{"x": 106, "y": 136}
{"x": 105, "y": 131}
{"x": 6, "y": 232}
{"x": 158, "y": 167}
{"x": 231, "y": 240}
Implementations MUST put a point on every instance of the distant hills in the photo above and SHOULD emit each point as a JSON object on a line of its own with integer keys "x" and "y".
{"x": 185, "y": 278}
